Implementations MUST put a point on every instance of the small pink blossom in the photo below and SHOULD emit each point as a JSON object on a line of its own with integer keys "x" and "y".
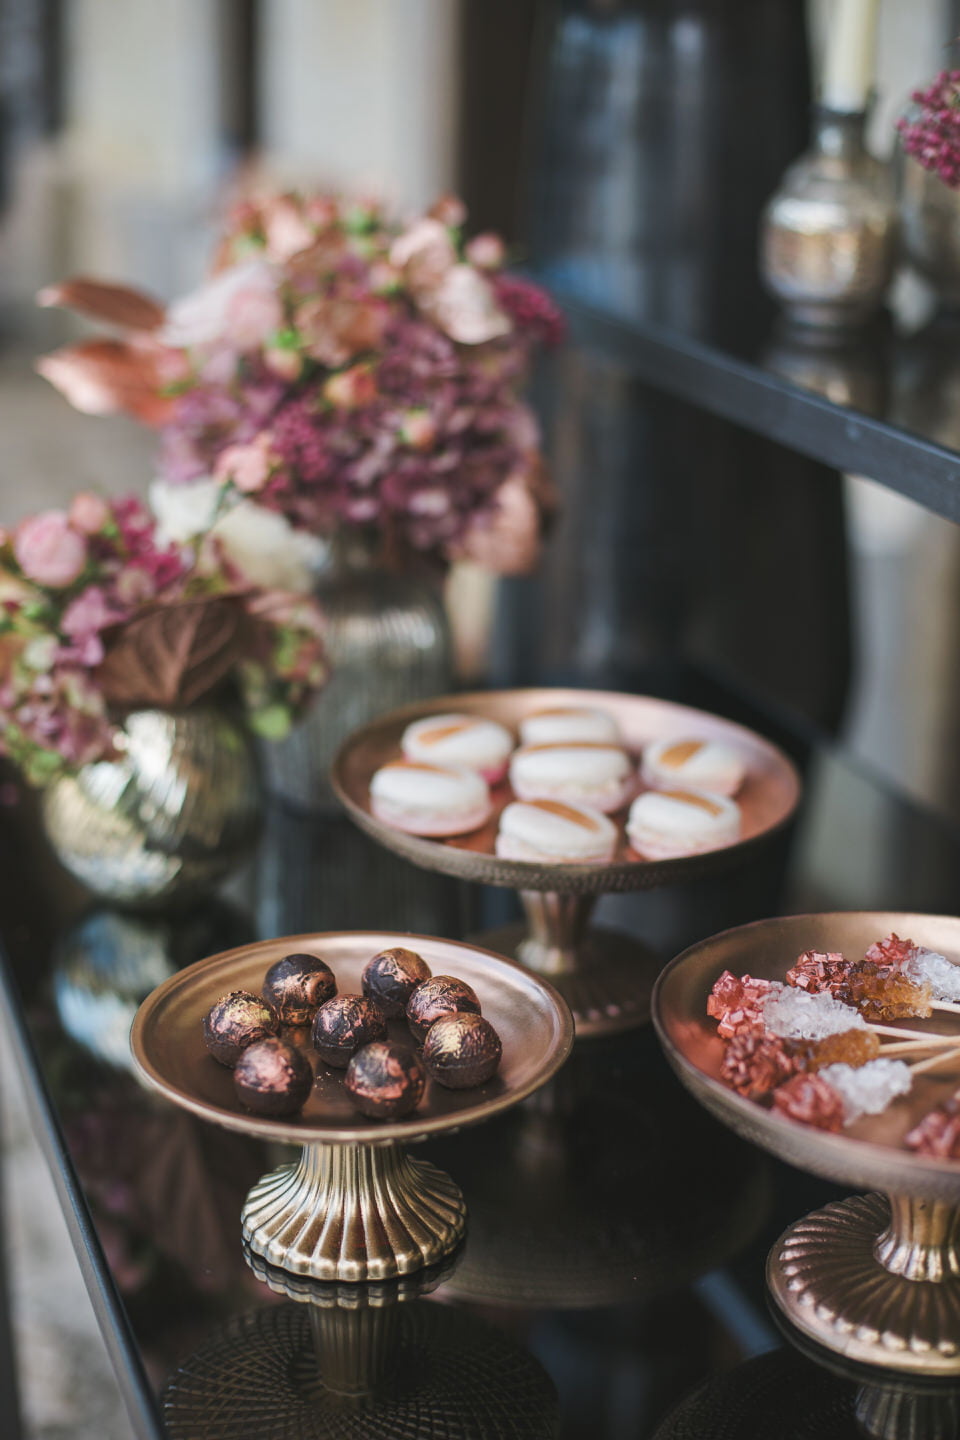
{"x": 287, "y": 365}
{"x": 487, "y": 251}
{"x": 48, "y": 550}
{"x": 88, "y": 613}
{"x": 248, "y": 466}
{"x": 88, "y": 513}
{"x": 350, "y": 389}
{"x": 418, "y": 429}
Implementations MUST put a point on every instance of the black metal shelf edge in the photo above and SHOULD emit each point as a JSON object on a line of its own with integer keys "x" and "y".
{"x": 759, "y": 401}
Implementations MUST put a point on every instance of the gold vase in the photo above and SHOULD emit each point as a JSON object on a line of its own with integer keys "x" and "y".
{"x": 176, "y": 812}
{"x": 930, "y": 225}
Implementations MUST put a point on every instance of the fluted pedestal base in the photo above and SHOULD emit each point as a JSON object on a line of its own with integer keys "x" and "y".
{"x": 876, "y": 1280}
{"x": 354, "y": 1212}
{"x": 605, "y": 977}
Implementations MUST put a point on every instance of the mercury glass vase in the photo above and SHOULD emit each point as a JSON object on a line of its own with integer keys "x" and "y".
{"x": 388, "y": 642}
{"x": 179, "y": 809}
{"x": 930, "y": 226}
{"x": 829, "y": 233}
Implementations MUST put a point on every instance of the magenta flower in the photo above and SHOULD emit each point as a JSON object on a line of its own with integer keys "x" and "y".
{"x": 932, "y": 136}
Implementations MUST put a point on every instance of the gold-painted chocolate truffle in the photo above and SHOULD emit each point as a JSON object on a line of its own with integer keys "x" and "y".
{"x": 273, "y": 1078}
{"x": 344, "y": 1025}
{"x": 236, "y": 1021}
{"x": 461, "y": 1051}
{"x": 385, "y": 1081}
{"x": 442, "y": 995}
{"x": 297, "y": 986}
{"x": 391, "y": 977}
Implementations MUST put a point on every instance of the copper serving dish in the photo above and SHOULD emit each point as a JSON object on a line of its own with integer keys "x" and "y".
{"x": 356, "y": 1206}
{"x": 604, "y": 976}
{"x": 877, "y": 1277}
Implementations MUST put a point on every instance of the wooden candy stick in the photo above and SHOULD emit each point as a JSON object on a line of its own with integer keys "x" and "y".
{"x": 905, "y": 1048}
{"x": 949, "y": 1005}
{"x": 901, "y": 1033}
{"x": 936, "y": 1060}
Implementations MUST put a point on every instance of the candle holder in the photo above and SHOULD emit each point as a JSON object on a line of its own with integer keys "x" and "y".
{"x": 876, "y": 1278}
{"x": 606, "y": 977}
{"x": 355, "y": 1206}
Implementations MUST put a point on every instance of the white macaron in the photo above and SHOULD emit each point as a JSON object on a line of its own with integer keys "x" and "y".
{"x": 429, "y": 799}
{"x": 710, "y": 765}
{"x": 666, "y": 823}
{"x": 464, "y": 740}
{"x": 551, "y": 832}
{"x": 574, "y": 723}
{"x": 594, "y": 774}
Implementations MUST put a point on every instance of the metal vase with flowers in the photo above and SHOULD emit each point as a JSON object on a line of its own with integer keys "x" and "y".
{"x": 179, "y": 805}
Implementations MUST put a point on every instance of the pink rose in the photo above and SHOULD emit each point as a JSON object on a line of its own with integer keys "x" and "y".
{"x": 248, "y": 466}
{"x": 239, "y": 307}
{"x": 425, "y": 253}
{"x": 285, "y": 229}
{"x": 88, "y": 513}
{"x": 48, "y": 550}
{"x": 285, "y": 364}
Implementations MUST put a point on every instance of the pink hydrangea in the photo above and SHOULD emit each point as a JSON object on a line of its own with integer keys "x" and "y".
{"x": 49, "y": 550}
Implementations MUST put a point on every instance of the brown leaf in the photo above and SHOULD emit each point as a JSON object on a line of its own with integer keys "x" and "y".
{"x": 113, "y": 304}
{"x": 102, "y": 377}
{"x": 174, "y": 654}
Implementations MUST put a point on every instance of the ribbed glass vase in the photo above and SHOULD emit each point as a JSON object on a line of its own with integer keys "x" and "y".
{"x": 388, "y": 642}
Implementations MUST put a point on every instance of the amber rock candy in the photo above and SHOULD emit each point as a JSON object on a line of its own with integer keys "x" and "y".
{"x": 885, "y": 994}
{"x": 850, "y": 1047}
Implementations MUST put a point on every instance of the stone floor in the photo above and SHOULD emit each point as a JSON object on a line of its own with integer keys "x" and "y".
{"x": 68, "y": 1391}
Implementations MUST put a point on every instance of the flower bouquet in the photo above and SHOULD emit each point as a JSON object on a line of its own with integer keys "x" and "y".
{"x": 345, "y": 379}
{"x": 117, "y": 653}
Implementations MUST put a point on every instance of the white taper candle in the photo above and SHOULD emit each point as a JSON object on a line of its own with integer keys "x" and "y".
{"x": 850, "y": 54}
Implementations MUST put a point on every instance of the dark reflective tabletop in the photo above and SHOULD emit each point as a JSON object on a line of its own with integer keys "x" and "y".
{"x": 611, "y": 1281}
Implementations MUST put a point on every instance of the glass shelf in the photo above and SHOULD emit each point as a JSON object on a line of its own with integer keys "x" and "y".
{"x": 617, "y": 1232}
{"x": 875, "y": 403}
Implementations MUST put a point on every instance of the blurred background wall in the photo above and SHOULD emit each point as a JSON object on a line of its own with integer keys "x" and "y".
{"x": 124, "y": 123}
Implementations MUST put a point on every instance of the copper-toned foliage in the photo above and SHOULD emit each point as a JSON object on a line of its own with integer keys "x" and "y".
{"x": 113, "y": 304}
{"x": 175, "y": 654}
{"x": 102, "y": 377}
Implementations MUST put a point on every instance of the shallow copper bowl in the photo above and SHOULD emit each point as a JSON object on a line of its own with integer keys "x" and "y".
{"x": 868, "y": 1154}
{"x": 769, "y": 796}
{"x": 533, "y": 1022}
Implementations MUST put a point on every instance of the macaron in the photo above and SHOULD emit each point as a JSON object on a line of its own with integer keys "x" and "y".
{"x": 569, "y": 724}
{"x": 551, "y": 832}
{"x": 710, "y": 765}
{"x": 467, "y": 741}
{"x": 666, "y": 823}
{"x": 593, "y": 774}
{"x": 429, "y": 799}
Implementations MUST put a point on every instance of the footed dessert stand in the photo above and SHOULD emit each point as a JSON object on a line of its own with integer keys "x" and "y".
{"x": 355, "y": 1206}
{"x": 875, "y": 1278}
{"x": 605, "y": 977}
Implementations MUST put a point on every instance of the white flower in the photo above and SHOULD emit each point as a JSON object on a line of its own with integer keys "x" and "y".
{"x": 238, "y": 308}
{"x": 267, "y": 548}
{"x": 260, "y": 542}
{"x": 184, "y": 511}
{"x": 464, "y": 306}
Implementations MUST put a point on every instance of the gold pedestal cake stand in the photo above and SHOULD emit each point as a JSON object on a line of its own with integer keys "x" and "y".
{"x": 356, "y": 1206}
{"x": 875, "y": 1278}
{"x": 606, "y": 977}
